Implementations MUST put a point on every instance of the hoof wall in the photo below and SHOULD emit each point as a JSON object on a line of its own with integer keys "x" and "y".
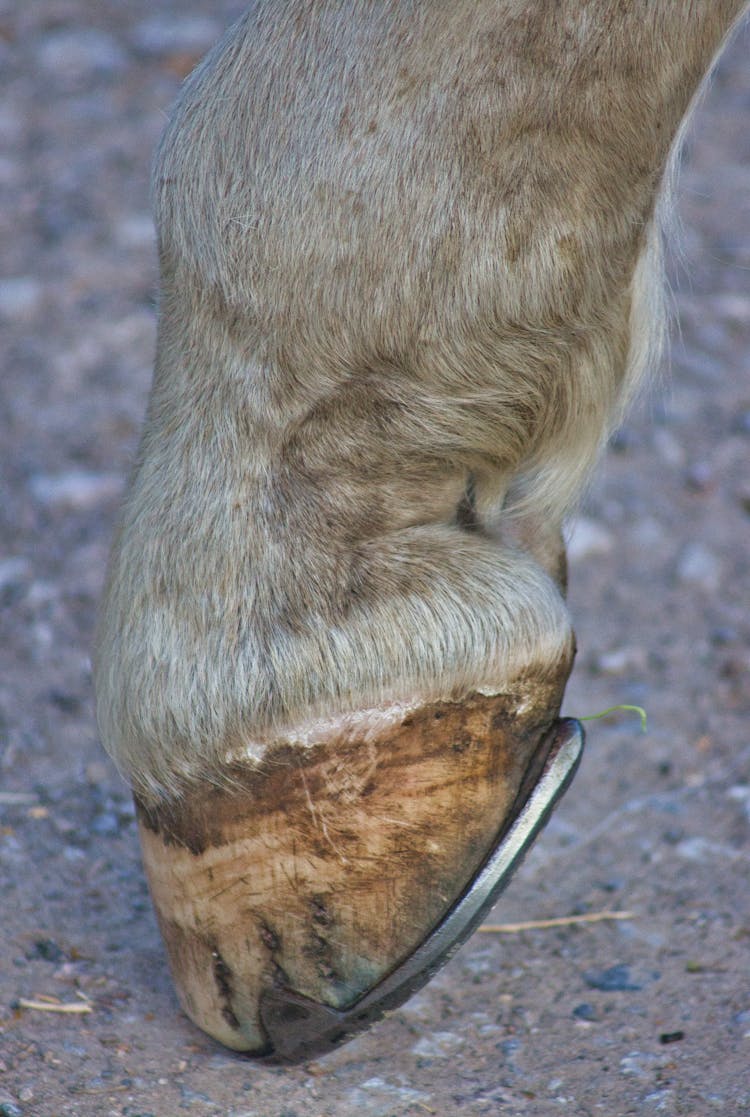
{"x": 300, "y": 1029}
{"x": 306, "y": 897}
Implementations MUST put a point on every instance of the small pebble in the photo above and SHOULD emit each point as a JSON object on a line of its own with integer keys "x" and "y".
{"x": 12, "y": 572}
{"x": 105, "y": 824}
{"x": 612, "y": 884}
{"x": 166, "y": 34}
{"x": 732, "y": 306}
{"x": 660, "y": 1101}
{"x": 80, "y": 54}
{"x": 585, "y": 1011}
{"x": 619, "y": 661}
{"x": 668, "y": 448}
{"x": 75, "y": 489}
{"x": 191, "y": 1097}
{"x": 723, "y": 635}
{"x": 615, "y": 979}
{"x": 361, "y": 1098}
{"x": 64, "y": 700}
{"x": 641, "y": 1064}
{"x": 48, "y": 950}
{"x": 126, "y": 810}
{"x": 587, "y": 538}
{"x": 509, "y": 1048}
{"x": 135, "y": 231}
{"x": 704, "y": 851}
{"x": 438, "y": 1045}
{"x": 19, "y": 296}
{"x": 97, "y": 772}
{"x": 735, "y": 667}
{"x": 698, "y": 566}
{"x": 671, "y": 1037}
{"x": 700, "y": 478}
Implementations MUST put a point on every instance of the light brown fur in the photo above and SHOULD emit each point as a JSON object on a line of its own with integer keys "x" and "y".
{"x": 410, "y": 280}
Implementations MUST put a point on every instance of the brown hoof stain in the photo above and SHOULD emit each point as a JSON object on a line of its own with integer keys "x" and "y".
{"x": 326, "y": 866}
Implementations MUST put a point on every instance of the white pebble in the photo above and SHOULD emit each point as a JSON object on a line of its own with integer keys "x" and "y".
{"x": 170, "y": 34}
{"x": 438, "y": 1045}
{"x": 698, "y": 566}
{"x": 620, "y": 660}
{"x": 82, "y": 53}
{"x": 642, "y": 1064}
{"x": 701, "y": 849}
{"x": 660, "y": 1101}
{"x": 20, "y": 296}
{"x": 76, "y": 489}
{"x": 376, "y": 1096}
{"x": 731, "y": 305}
{"x": 668, "y": 448}
{"x": 135, "y": 231}
{"x": 586, "y": 538}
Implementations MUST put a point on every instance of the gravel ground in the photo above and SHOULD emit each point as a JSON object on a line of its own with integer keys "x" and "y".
{"x": 644, "y": 1015}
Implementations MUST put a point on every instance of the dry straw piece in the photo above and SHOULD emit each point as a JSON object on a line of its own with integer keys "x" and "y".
{"x": 559, "y": 921}
{"x": 51, "y": 1004}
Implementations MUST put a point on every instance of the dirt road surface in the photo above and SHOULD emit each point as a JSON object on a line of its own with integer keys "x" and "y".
{"x": 645, "y": 1015}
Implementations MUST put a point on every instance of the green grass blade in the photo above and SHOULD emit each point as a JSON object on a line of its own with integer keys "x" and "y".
{"x": 614, "y": 709}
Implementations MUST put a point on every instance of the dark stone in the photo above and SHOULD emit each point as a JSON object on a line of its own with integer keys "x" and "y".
{"x": 68, "y": 703}
{"x": 48, "y": 950}
{"x": 616, "y": 979}
{"x": 614, "y": 884}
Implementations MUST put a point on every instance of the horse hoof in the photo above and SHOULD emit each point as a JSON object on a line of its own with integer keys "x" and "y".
{"x": 301, "y": 898}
